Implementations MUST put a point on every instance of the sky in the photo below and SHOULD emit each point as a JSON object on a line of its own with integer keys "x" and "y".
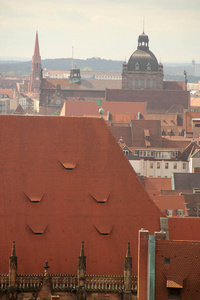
{"x": 108, "y": 29}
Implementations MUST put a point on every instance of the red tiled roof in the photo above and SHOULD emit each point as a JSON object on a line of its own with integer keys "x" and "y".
{"x": 158, "y": 183}
{"x": 178, "y": 143}
{"x": 182, "y": 270}
{"x": 157, "y": 100}
{"x": 122, "y": 118}
{"x": 172, "y": 202}
{"x": 189, "y": 116}
{"x": 19, "y": 110}
{"x": 167, "y": 120}
{"x": 85, "y": 84}
{"x": 138, "y": 136}
{"x": 8, "y": 92}
{"x": 123, "y": 132}
{"x": 52, "y": 230}
{"x": 81, "y": 108}
{"x": 174, "y": 85}
{"x": 187, "y": 228}
{"x": 195, "y": 101}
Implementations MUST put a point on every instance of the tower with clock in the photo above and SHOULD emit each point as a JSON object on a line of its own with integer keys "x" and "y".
{"x": 36, "y": 69}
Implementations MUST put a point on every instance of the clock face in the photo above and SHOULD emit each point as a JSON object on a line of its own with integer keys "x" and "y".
{"x": 37, "y": 78}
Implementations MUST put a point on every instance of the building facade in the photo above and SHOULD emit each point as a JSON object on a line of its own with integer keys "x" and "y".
{"x": 142, "y": 70}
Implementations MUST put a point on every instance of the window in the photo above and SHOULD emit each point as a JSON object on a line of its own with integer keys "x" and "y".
{"x": 170, "y": 212}
{"x": 136, "y": 83}
{"x": 166, "y": 165}
{"x": 144, "y": 153}
{"x": 126, "y": 152}
{"x": 174, "y": 153}
{"x": 174, "y": 293}
{"x": 175, "y": 166}
{"x": 130, "y": 83}
{"x": 167, "y": 260}
{"x": 151, "y": 165}
{"x": 137, "y": 67}
{"x": 158, "y": 165}
{"x": 148, "y": 67}
{"x": 184, "y": 166}
{"x": 179, "y": 212}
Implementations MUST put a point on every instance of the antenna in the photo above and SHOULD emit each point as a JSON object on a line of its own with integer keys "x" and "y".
{"x": 72, "y": 57}
{"x": 143, "y": 23}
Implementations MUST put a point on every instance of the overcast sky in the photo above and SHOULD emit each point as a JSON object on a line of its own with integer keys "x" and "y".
{"x": 100, "y": 28}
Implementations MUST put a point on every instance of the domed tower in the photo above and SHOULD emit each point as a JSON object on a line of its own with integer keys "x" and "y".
{"x": 142, "y": 70}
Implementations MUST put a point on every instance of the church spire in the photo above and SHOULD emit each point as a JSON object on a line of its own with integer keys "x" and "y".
{"x": 36, "y": 69}
{"x": 81, "y": 267}
{"x": 13, "y": 267}
{"x": 127, "y": 274}
{"x": 36, "y": 50}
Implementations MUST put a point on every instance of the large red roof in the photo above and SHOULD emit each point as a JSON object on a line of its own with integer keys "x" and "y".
{"x": 56, "y": 173}
{"x": 83, "y": 108}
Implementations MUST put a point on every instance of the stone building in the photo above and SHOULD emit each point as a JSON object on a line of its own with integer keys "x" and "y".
{"x": 142, "y": 70}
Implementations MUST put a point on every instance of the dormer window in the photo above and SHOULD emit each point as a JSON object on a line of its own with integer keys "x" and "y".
{"x": 148, "y": 67}
{"x": 137, "y": 67}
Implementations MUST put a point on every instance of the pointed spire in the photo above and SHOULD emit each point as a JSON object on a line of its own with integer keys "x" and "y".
{"x": 13, "y": 267}
{"x": 128, "y": 259}
{"x": 127, "y": 273}
{"x": 13, "y": 253}
{"x": 128, "y": 252}
{"x": 81, "y": 267}
{"x": 82, "y": 250}
{"x": 143, "y": 24}
{"x": 36, "y": 50}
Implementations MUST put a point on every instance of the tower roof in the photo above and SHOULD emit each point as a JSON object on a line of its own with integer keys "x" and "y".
{"x": 143, "y": 58}
{"x": 36, "y": 49}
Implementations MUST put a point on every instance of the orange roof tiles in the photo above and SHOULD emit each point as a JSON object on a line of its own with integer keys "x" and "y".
{"x": 52, "y": 230}
{"x": 167, "y": 120}
{"x": 85, "y": 84}
{"x": 189, "y": 116}
{"x": 82, "y": 108}
{"x": 158, "y": 183}
{"x": 184, "y": 228}
{"x": 174, "y": 85}
{"x": 157, "y": 100}
{"x": 19, "y": 110}
{"x": 175, "y": 142}
{"x": 182, "y": 271}
{"x": 138, "y": 136}
{"x": 195, "y": 102}
{"x": 172, "y": 202}
{"x": 8, "y": 92}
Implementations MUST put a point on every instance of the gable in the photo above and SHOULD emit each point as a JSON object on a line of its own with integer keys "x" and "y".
{"x": 35, "y": 152}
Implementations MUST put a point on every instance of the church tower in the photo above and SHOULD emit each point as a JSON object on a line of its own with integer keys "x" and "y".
{"x": 36, "y": 70}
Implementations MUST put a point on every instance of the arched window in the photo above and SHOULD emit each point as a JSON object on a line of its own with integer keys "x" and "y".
{"x": 148, "y": 67}
{"x": 137, "y": 67}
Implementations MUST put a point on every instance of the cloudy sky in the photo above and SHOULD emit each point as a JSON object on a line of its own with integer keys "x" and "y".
{"x": 100, "y": 28}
